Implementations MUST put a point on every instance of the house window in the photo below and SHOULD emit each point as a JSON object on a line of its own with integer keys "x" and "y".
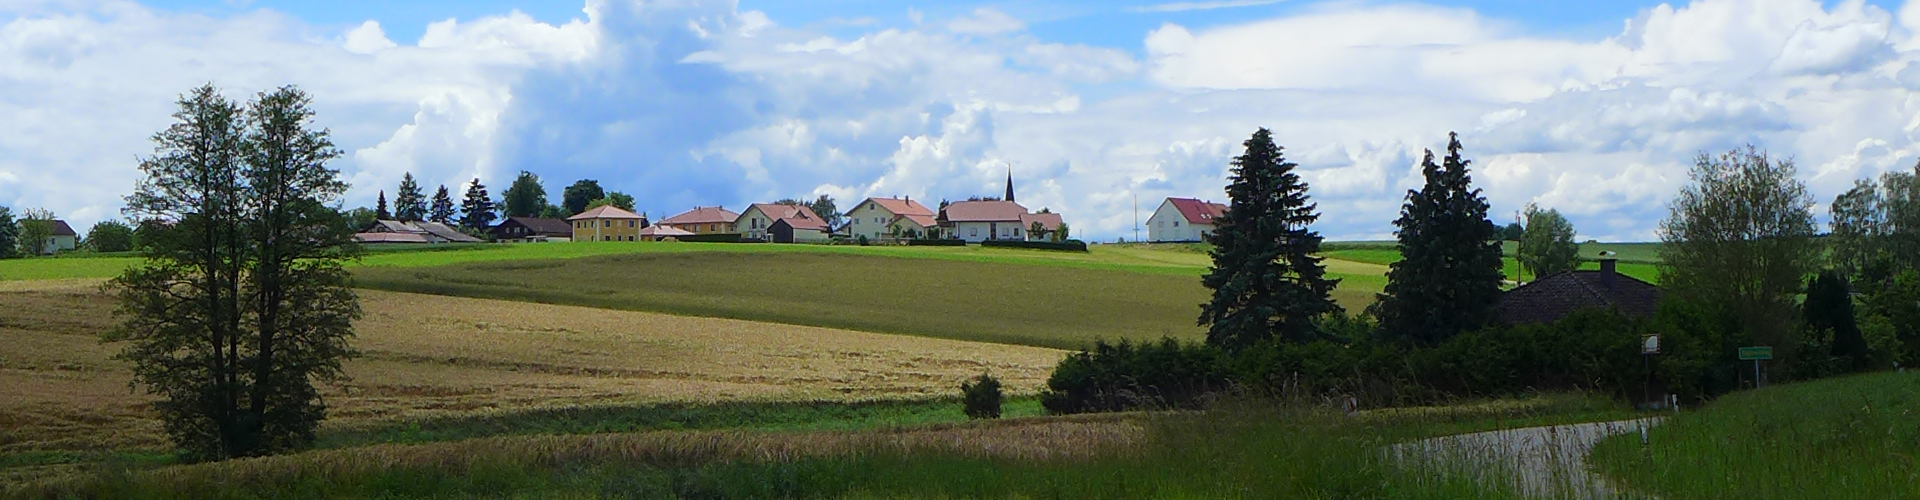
{"x": 607, "y": 223}
{"x": 1176, "y": 223}
{"x": 632, "y": 223}
{"x": 606, "y": 238}
{"x": 975, "y": 231}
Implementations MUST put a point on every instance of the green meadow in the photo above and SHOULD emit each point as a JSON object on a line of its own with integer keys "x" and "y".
{"x": 1848, "y": 437}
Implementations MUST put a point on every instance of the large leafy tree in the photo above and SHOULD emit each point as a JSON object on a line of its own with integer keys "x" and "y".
{"x": 1876, "y": 227}
{"x": 443, "y": 209}
{"x": 36, "y": 226}
{"x": 827, "y": 210}
{"x": 1546, "y": 245}
{"x": 110, "y": 236}
{"x": 411, "y": 203}
{"x": 1448, "y": 279}
{"x": 9, "y": 235}
{"x": 525, "y": 197}
{"x": 243, "y": 302}
{"x": 476, "y": 211}
{"x": 1266, "y": 280}
{"x": 616, "y": 199}
{"x": 577, "y": 196}
{"x": 1739, "y": 241}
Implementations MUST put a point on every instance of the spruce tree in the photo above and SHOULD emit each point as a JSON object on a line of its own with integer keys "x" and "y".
{"x": 9, "y": 235}
{"x": 476, "y": 212}
{"x": 1448, "y": 278}
{"x": 380, "y": 211}
{"x": 1266, "y": 280}
{"x": 443, "y": 209}
{"x": 411, "y": 204}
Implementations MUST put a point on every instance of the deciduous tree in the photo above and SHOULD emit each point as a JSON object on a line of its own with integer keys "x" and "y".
{"x": 110, "y": 236}
{"x": 1546, "y": 245}
{"x": 36, "y": 227}
{"x": 1267, "y": 279}
{"x": 582, "y": 192}
{"x": 525, "y": 197}
{"x": 243, "y": 302}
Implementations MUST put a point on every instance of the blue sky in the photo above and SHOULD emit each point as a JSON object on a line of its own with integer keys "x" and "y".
{"x": 1593, "y": 108}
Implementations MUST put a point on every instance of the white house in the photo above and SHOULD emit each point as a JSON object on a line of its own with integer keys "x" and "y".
{"x": 1183, "y": 219}
{"x": 757, "y": 223}
{"x": 61, "y": 239}
{"x": 977, "y": 221}
{"x": 878, "y": 218}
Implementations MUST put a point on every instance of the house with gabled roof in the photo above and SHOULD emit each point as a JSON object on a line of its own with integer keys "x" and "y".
{"x": 62, "y": 238}
{"x": 532, "y": 230}
{"x": 703, "y": 220}
{"x": 607, "y": 223}
{"x": 977, "y": 221}
{"x": 880, "y": 218}
{"x": 1549, "y": 299}
{"x": 1183, "y": 220}
{"x": 781, "y": 223}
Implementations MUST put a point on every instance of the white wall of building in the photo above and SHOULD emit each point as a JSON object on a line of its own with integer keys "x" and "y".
{"x": 870, "y": 220}
{"x": 1167, "y": 225}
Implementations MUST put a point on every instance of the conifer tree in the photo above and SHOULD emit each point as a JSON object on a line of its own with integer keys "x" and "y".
{"x": 443, "y": 209}
{"x": 380, "y": 211}
{"x": 411, "y": 204}
{"x": 1266, "y": 280}
{"x": 476, "y": 212}
{"x": 1448, "y": 279}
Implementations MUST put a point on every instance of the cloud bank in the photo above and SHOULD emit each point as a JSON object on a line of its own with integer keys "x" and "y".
{"x": 691, "y": 102}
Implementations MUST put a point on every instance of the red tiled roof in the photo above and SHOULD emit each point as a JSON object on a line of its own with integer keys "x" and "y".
{"x": 777, "y": 211}
{"x": 605, "y": 212}
{"x": 805, "y": 223}
{"x": 1051, "y": 221}
{"x": 922, "y": 220}
{"x": 902, "y": 206}
{"x": 984, "y": 211}
{"x": 1198, "y": 212}
{"x": 703, "y": 215}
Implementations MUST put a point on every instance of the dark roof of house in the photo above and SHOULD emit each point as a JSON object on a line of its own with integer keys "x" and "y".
{"x": 1198, "y": 212}
{"x": 60, "y": 228}
{"x": 1554, "y": 297}
{"x": 540, "y": 226}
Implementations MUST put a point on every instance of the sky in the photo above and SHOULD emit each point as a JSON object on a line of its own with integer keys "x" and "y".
{"x": 1596, "y": 109}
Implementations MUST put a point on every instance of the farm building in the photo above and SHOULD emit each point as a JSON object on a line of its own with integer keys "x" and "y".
{"x": 61, "y": 239}
{"x": 533, "y": 230}
{"x": 1549, "y": 299}
{"x": 416, "y": 232}
{"x": 800, "y": 223}
{"x": 607, "y": 223}
{"x": 878, "y": 218}
{"x": 703, "y": 220}
{"x": 1183, "y": 220}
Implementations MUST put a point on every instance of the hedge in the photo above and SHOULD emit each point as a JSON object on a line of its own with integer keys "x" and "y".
{"x": 1069, "y": 245}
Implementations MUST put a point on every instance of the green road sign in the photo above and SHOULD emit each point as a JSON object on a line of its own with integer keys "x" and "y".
{"x": 1756, "y": 353}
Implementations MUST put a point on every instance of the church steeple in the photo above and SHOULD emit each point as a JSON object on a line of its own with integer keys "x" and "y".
{"x": 1009, "y": 183}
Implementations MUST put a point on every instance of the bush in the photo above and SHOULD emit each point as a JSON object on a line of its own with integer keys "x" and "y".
{"x": 1125, "y": 376}
{"x": 1069, "y": 245}
{"x": 936, "y": 243}
{"x": 982, "y": 397}
{"x": 862, "y": 240}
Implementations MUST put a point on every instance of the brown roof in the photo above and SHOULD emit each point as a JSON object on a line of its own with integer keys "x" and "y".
{"x": 901, "y": 206}
{"x": 984, "y": 211}
{"x": 539, "y": 226}
{"x": 806, "y": 223}
{"x": 60, "y": 228}
{"x": 922, "y": 220}
{"x": 1051, "y": 221}
{"x": 1198, "y": 212}
{"x": 777, "y": 211}
{"x": 703, "y": 215}
{"x": 604, "y": 212}
{"x": 1554, "y": 297}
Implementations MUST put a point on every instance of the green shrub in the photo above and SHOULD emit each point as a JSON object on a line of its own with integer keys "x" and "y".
{"x": 982, "y": 397}
{"x": 1125, "y": 376}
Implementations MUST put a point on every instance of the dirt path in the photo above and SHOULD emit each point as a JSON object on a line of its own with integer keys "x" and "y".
{"x": 1544, "y": 462}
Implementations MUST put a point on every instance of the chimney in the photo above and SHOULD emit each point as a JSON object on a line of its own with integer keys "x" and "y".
{"x": 1608, "y": 269}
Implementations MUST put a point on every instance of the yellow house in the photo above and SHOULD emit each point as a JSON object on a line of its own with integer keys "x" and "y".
{"x": 607, "y": 223}
{"x": 703, "y": 220}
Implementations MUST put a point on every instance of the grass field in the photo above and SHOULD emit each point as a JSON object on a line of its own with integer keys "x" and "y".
{"x": 1242, "y": 449}
{"x": 431, "y": 357}
{"x": 1850, "y": 437}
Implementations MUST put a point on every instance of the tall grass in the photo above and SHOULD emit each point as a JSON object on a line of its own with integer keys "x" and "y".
{"x": 1851, "y": 437}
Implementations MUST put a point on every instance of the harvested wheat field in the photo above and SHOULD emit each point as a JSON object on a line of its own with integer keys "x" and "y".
{"x": 430, "y": 356}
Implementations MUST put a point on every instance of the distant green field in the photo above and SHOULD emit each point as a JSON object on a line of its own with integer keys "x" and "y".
{"x": 1849, "y": 437}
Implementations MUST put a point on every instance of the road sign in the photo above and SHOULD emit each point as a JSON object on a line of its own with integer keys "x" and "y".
{"x": 1650, "y": 344}
{"x": 1756, "y": 353}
